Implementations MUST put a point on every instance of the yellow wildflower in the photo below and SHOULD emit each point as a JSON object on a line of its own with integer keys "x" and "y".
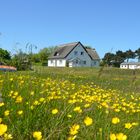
{"x": 135, "y": 123}
{"x": 42, "y": 99}
{"x": 77, "y": 109}
{"x": 1, "y": 104}
{"x": 6, "y": 113}
{"x": 86, "y": 105}
{"x": 88, "y": 121}
{"x": 7, "y": 136}
{"x": 128, "y": 125}
{"x": 37, "y": 135}
{"x": 15, "y": 93}
{"x": 121, "y": 136}
{"x": 74, "y": 129}
{"x": 112, "y": 137}
{"x": 19, "y": 99}
{"x": 32, "y": 93}
{"x": 69, "y": 116}
{"x": 11, "y": 79}
{"x": 36, "y": 102}
{"x": 54, "y": 111}
{"x": 20, "y": 112}
{"x": 115, "y": 120}
{"x": 3, "y": 129}
{"x": 32, "y": 107}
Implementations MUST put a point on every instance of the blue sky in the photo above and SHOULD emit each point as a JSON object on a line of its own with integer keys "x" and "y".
{"x": 107, "y": 25}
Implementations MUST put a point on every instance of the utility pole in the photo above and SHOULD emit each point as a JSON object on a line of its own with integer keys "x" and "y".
{"x": 0, "y": 55}
{"x": 29, "y": 48}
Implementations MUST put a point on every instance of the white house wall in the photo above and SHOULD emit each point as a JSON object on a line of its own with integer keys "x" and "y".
{"x": 84, "y": 57}
{"x": 124, "y": 66}
{"x": 129, "y": 66}
{"x": 61, "y": 62}
{"x": 57, "y": 63}
{"x": 51, "y": 63}
{"x": 132, "y": 66}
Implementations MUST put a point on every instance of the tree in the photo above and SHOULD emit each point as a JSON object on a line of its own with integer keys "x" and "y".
{"x": 108, "y": 59}
{"x": 35, "y": 58}
{"x": 45, "y": 53}
{"x": 120, "y": 56}
{"x": 129, "y": 54}
{"x": 137, "y": 52}
{"x": 4, "y": 54}
{"x": 21, "y": 61}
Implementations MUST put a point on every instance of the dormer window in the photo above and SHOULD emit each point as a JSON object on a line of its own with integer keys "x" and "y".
{"x": 56, "y": 54}
{"x": 82, "y": 53}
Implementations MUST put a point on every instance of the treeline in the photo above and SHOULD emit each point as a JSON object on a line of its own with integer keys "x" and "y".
{"x": 24, "y": 61}
{"x": 115, "y": 59}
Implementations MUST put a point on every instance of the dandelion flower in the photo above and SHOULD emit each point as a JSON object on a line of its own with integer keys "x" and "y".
{"x": 3, "y": 129}
{"x": 128, "y": 125}
{"x": 1, "y": 104}
{"x": 42, "y": 99}
{"x": 69, "y": 116}
{"x": 7, "y": 136}
{"x": 19, "y": 99}
{"x": 32, "y": 93}
{"x": 54, "y": 111}
{"x": 77, "y": 109}
{"x": 74, "y": 129}
{"x": 135, "y": 124}
{"x": 88, "y": 121}
{"x": 6, "y": 113}
{"x": 115, "y": 120}
{"x": 121, "y": 136}
{"x": 112, "y": 137}
{"x": 20, "y": 112}
{"x": 37, "y": 135}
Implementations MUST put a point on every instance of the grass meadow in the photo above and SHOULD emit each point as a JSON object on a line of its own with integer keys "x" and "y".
{"x": 70, "y": 103}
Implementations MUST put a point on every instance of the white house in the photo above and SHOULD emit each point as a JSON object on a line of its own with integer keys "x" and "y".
{"x": 74, "y": 55}
{"x": 130, "y": 65}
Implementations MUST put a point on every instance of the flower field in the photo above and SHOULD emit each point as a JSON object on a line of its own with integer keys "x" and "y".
{"x": 68, "y": 105}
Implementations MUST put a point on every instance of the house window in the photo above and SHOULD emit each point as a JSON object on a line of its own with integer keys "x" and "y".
{"x": 94, "y": 62}
{"x": 82, "y": 53}
{"x": 51, "y": 61}
{"x": 76, "y": 61}
{"x": 84, "y": 62}
{"x": 56, "y": 54}
{"x": 75, "y": 52}
{"x": 60, "y": 61}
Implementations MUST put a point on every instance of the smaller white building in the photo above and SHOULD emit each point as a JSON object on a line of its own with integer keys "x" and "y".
{"x": 130, "y": 65}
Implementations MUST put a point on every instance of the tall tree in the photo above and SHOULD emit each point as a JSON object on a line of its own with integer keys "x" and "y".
{"x": 46, "y": 52}
{"x": 129, "y": 54}
{"x": 120, "y": 56}
{"x": 108, "y": 58}
{"x": 138, "y": 53}
{"x": 4, "y": 54}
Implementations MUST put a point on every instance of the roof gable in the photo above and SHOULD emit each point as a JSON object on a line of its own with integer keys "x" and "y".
{"x": 92, "y": 53}
{"x": 64, "y": 50}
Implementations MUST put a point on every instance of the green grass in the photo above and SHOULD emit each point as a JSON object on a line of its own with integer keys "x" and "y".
{"x": 107, "y": 93}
